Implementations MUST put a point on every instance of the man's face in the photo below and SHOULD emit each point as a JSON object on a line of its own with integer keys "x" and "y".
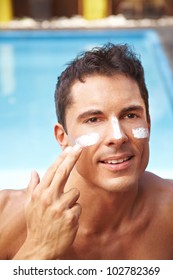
{"x": 113, "y": 108}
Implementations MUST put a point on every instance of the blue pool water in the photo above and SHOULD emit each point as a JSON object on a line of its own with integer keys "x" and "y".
{"x": 29, "y": 65}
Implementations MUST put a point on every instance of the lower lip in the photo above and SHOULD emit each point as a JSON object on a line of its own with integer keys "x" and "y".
{"x": 119, "y": 166}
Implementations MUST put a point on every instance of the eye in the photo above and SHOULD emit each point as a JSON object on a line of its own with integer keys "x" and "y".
{"x": 92, "y": 120}
{"x": 131, "y": 116}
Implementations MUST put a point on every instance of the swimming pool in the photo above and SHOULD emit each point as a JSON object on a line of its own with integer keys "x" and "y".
{"x": 30, "y": 62}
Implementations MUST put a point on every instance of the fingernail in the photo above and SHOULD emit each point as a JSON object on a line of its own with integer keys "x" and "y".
{"x": 32, "y": 174}
{"x": 68, "y": 149}
{"x": 77, "y": 147}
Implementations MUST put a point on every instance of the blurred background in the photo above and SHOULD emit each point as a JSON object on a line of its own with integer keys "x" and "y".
{"x": 47, "y": 9}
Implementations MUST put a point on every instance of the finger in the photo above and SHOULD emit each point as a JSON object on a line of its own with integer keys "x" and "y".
{"x": 34, "y": 181}
{"x": 64, "y": 170}
{"x": 73, "y": 214}
{"x": 69, "y": 198}
{"x": 50, "y": 173}
{"x": 67, "y": 207}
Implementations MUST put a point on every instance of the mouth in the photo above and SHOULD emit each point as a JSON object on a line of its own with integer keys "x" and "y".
{"x": 117, "y": 163}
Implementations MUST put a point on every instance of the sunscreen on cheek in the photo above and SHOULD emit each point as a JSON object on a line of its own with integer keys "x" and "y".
{"x": 87, "y": 139}
{"x": 140, "y": 132}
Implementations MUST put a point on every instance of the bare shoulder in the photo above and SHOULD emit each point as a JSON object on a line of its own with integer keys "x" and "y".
{"x": 170, "y": 181}
{"x": 157, "y": 183}
{"x": 11, "y": 219}
{"x": 9, "y": 199}
{"x": 158, "y": 205}
{"x": 160, "y": 194}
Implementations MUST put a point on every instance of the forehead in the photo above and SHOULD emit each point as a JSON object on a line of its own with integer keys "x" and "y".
{"x": 103, "y": 91}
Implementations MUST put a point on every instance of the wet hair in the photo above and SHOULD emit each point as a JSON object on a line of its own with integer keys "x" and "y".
{"x": 107, "y": 60}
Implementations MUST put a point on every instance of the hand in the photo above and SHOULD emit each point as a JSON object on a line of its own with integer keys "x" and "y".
{"x": 51, "y": 215}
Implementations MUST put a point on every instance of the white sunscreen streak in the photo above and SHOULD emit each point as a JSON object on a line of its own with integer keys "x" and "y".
{"x": 140, "y": 132}
{"x": 116, "y": 128}
{"x": 88, "y": 139}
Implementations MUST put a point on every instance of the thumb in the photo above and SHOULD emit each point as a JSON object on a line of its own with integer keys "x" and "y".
{"x": 34, "y": 181}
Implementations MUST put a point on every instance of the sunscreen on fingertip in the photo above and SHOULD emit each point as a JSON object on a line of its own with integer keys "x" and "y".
{"x": 68, "y": 149}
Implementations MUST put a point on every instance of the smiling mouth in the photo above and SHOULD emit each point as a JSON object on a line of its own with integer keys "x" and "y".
{"x": 117, "y": 161}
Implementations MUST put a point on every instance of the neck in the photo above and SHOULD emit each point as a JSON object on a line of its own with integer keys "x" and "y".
{"x": 105, "y": 210}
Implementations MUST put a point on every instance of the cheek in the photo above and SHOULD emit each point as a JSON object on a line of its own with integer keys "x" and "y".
{"x": 140, "y": 133}
{"x": 139, "y": 136}
{"x": 140, "y": 144}
{"x": 84, "y": 165}
{"x": 142, "y": 147}
{"x": 84, "y": 140}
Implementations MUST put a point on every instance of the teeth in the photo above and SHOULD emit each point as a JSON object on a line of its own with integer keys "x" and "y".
{"x": 116, "y": 161}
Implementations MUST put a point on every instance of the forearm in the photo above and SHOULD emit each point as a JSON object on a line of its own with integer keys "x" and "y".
{"x": 29, "y": 251}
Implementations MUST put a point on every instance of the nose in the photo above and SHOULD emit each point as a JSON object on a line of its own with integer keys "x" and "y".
{"x": 115, "y": 134}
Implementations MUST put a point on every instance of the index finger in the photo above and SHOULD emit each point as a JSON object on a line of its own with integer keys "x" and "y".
{"x": 50, "y": 173}
{"x": 64, "y": 170}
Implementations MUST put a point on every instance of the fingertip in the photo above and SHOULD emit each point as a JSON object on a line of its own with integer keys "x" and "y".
{"x": 34, "y": 176}
{"x": 68, "y": 149}
{"x": 77, "y": 148}
{"x": 33, "y": 173}
{"x": 34, "y": 180}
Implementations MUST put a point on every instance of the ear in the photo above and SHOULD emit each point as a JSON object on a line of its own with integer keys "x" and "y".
{"x": 61, "y": 135}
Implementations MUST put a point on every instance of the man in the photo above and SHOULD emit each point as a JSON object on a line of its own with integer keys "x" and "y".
{"x": 96, "y": 201}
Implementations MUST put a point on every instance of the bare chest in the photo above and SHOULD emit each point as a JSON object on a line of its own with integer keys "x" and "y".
{"x": 113, "y": 247}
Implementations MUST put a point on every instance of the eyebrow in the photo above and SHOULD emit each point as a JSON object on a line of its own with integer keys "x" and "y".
{"x": 132, "y": 108}
{"x": 88, "y": 114}
{"x": 92, "y": 112}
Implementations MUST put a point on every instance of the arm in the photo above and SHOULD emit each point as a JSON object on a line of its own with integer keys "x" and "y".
{"x": 4, "y": 198}
{"x": 12, "y": 222}
{"x": 51, "y": 215}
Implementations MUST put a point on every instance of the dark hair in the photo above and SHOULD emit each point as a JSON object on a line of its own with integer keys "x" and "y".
{"x": 107, "y": 60}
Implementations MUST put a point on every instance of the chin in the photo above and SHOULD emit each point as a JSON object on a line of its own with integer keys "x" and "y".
{"x": 118, "y": 184}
